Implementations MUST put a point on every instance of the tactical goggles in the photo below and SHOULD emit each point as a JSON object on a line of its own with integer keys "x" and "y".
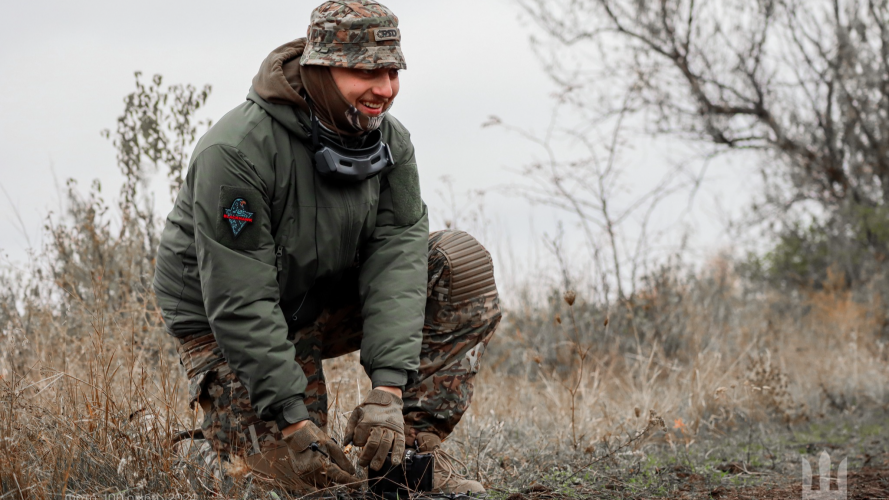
{"x": 338, "y": 162}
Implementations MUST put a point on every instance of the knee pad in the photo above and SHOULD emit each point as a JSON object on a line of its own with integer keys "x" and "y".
{"x": 470, "y": 265}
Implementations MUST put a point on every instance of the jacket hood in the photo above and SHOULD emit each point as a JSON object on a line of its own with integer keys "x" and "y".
{"x": 277, "y": 87}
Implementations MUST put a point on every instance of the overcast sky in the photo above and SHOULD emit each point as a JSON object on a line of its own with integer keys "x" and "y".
{"x": 65, "y": 67}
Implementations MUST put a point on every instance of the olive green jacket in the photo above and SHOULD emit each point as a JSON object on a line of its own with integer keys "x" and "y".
{"x": 258, "y": 243}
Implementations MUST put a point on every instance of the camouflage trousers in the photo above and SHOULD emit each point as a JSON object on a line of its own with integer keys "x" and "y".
{"x": 462, "y": 312}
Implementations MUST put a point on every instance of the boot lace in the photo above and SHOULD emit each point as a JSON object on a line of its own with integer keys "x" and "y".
{"x": 447, "y": 463}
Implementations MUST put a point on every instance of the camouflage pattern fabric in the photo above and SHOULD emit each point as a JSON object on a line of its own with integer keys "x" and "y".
{"x": 200, "y": 354}
{"x": 462, "y": 313}
{"x": 197, "y": 458}
{"x": 361, "y": 34}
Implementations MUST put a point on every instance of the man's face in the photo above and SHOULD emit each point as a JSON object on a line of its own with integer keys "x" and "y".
{"x": 370, "y": 90}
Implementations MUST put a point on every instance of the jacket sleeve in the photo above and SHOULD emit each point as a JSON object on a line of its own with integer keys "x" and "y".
{"x": 236, "y": 262}
{"x": 392, "y": 279}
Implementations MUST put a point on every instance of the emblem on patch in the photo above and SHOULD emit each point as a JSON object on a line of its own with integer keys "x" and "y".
{"x": 237, "y": 215}
{"x": 384, "y": 34}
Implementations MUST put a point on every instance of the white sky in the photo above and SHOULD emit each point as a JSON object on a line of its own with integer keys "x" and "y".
{"x": 65, "y": 67}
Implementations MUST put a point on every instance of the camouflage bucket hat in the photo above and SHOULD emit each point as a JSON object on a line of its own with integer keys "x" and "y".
{"x": 360, "y": 34}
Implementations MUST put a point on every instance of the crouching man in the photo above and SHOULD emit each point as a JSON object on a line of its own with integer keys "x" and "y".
{"x": 300, "y": 235}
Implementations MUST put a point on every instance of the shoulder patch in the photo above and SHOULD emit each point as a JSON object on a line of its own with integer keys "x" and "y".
{"x": 404, "y": 181}
{"x": 237, "y": 224}
{"x": 238, "y": 216}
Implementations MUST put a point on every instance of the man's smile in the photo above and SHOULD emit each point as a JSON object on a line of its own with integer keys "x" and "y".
{"x": 370, "y": 107}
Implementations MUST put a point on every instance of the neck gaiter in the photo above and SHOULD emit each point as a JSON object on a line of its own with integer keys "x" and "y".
{"x": 332, "y": 108}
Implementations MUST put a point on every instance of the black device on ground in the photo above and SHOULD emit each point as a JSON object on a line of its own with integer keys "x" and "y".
{"x": 413, "y": 476}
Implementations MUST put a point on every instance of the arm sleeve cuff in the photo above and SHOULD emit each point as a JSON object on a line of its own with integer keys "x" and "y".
{"x": 388, "y": 377}
{"x": 291, "y": 411}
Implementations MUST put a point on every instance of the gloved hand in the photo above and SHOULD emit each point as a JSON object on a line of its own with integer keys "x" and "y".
{"x": 377, "y": 424}
{"x": 318, "y": 460}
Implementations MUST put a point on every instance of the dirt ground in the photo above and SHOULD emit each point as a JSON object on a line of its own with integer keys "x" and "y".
{"x": 750, "y": 464}
{"x": 867, "y": 483}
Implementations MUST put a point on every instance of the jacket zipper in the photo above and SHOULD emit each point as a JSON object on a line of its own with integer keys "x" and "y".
{"x": 279, "y": 254}
{"x": 347, "y": 230}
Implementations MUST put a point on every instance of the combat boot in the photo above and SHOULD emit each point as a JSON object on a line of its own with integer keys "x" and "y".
{"x": 445, "y": 477}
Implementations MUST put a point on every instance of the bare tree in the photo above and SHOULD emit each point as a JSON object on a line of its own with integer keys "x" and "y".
{"x": 806, "y": 81}
{"x": 583, "y": 174}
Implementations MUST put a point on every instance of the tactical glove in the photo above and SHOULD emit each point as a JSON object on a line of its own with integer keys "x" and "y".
{"x": 377, "y": 424}
{"x": 309, "y": 460}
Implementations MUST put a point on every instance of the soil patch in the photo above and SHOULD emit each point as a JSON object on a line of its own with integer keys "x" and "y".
{"x": 757, "y": 463}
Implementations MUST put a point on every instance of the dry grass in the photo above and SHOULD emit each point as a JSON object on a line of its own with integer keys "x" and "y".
{"x": 91, "y": 389}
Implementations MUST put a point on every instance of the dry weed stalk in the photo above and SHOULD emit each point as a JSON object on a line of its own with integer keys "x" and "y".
{"x": 582, "y": 352}
{"x": 655, "y": 422}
